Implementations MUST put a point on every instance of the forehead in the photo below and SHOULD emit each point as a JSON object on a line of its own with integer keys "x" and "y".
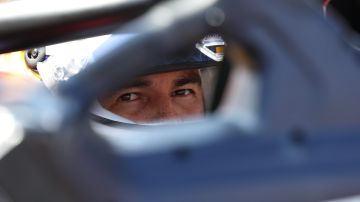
{"x": 174, "y": 79}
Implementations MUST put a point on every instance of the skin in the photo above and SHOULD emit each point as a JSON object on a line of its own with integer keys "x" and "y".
{"x": 156, "y": 97}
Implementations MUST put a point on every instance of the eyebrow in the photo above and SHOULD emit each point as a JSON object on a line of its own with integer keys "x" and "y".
{"x": 195, "y": 79}
{"x": 139, "y": 83}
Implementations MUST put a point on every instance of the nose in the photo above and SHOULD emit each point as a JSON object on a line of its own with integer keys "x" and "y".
{"x": 165, "y": 110}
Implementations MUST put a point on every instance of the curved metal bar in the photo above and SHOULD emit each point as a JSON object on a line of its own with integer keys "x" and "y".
{"x": 25, "y": 24}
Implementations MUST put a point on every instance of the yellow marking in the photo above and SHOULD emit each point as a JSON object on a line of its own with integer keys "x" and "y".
{"x": 14, "y": 63}
{"x": 219, "y": 49}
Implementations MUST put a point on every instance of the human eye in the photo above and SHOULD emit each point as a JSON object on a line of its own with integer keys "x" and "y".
{"x": 129, "y": 97}
{"x": 183, "y": 92}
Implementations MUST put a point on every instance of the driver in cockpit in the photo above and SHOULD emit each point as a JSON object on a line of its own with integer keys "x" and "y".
{"x": 177, "y": 90}
{"x": 171, "y": 94}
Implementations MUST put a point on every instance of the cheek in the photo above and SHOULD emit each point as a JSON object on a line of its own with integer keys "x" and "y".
{"x": 190, "y": 105}
{"x": 106, "y": 102}
{"x": 128, "y": 109}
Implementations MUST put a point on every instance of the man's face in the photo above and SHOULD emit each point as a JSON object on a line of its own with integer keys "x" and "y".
{"x": 163, "y": 96}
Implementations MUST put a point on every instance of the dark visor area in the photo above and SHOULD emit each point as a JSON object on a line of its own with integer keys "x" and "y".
{"x": 350, "y": 10}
